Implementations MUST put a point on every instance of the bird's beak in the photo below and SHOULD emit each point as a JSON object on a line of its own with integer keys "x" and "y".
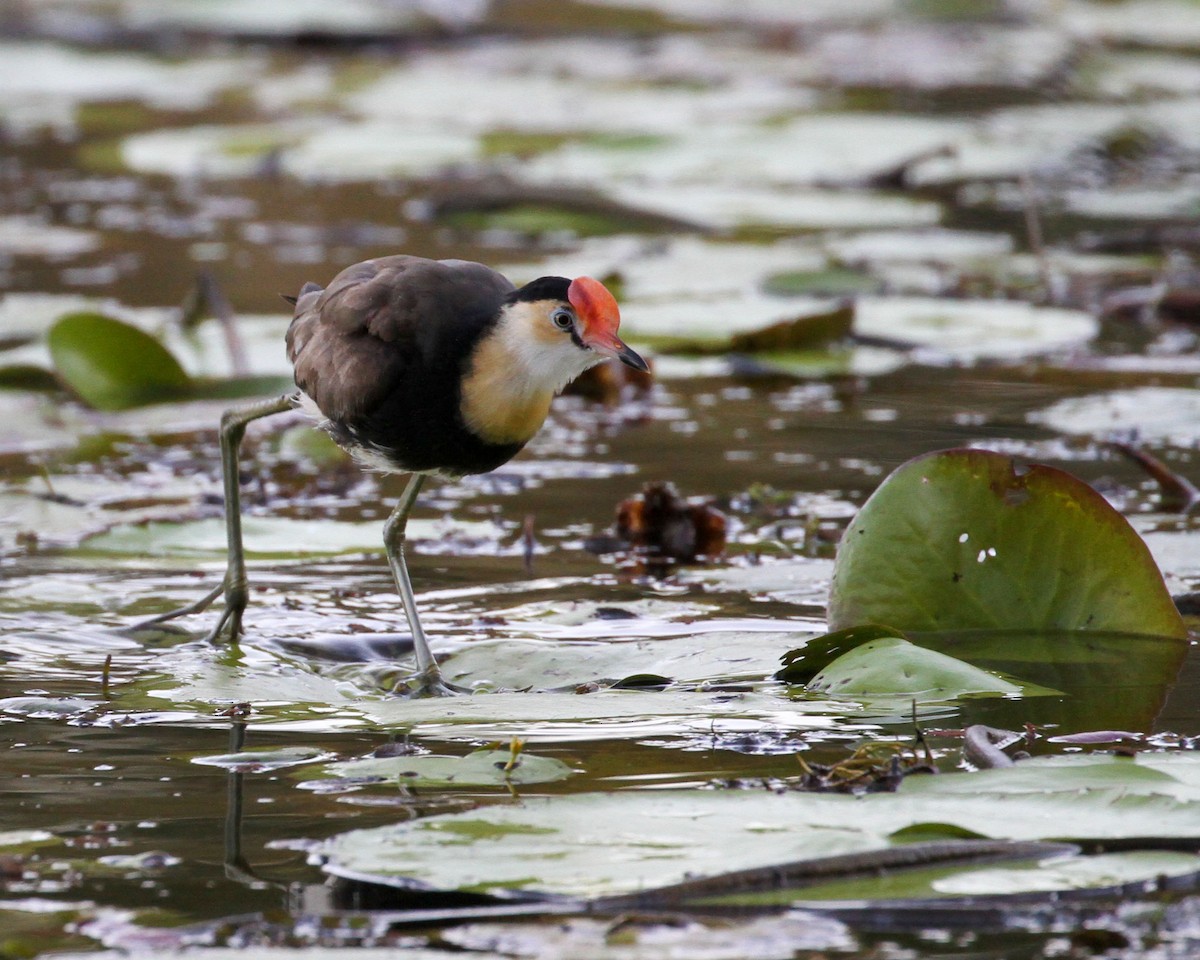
{"x": 628, "y": 356}
{"x": 610, "y": 345}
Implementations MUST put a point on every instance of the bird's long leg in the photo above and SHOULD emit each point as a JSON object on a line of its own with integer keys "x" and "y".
{"x": 429, "y": 675}
{"x": 234, "y": 586}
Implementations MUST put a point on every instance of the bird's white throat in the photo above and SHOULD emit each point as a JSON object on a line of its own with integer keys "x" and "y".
{"x": 515, "y": 371}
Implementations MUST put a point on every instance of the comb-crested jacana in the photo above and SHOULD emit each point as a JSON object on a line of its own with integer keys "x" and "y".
{"x": 427, "y": 367}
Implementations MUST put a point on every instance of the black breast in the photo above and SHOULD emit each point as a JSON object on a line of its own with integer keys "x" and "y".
{"x": 381, "y": 352}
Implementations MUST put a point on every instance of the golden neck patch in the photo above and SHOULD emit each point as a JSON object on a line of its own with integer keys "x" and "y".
{"x": 511, "y": 376}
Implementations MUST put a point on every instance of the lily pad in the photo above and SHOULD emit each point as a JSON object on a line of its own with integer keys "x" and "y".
{"x": 892, "y": 666}
{"x": 972, "y": 329}
{"x": 480, "y": 768}
{"x": 260, "y": 761}
{"x": 613, "y": 843}
{"x": 701, "y": 656}
{"x": 1070, "y": 873}
{"x": 967, "y": 539}
{"x": 1158, "y": 414}
{"x": 112, "y": 365}
{"x": 804, "y": 663}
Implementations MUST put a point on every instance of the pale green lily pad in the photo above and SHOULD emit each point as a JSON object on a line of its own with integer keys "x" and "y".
{"x": 847, "y": 148}
{"x": 44, "y": 519}
{"x": 26, "y": 839}
{"x": 1157, "y": 414}
{"x": 967, "y": 539}
{"x": 613, "y": 843}
{"x": 285, "y": 537}
{"x": 937, "y": 245}
{"x": 1154, "y": 23}
{"x": 264, "y": 761}
{"x": 39, "y": 74}
{"x": 47, "y": 708}
{"x": 252, "y": 952}
{"x": 276, "y": 17}
{"x": 539, "y": 664}
{"x": 347, "y": 150}
{"x": 480, "y": 768}
{"x": 763, "y": 12}
{"x": 1133, "y": 203}
{"x": 917, "y": 56}
{"x": 973, "y": 329}
{"x": 1010, "y": 143}
{"x": 893, "y": 666}
{"x": 336, "y": 699}
{"x": 1124, "y": 75}
{"x": 466, "y": 93}
{"x": 731, "y": 206}
{"x": 1070, "y": 873}
{"x": 662, "y": 269}
{"x": 779, "y": 937}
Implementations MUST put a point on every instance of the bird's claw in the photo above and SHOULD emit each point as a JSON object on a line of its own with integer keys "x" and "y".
{"x": 428, "y": 683}
{"x": 231, "y": 615}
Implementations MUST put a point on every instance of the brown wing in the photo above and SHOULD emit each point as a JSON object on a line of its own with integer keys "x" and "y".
{"x": 381, "y": 321}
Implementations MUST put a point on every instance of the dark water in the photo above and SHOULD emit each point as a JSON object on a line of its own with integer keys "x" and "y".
{"x": 99, "y": 768}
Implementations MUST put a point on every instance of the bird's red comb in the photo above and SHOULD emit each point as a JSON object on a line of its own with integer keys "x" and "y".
{"x": 594, "y": 304}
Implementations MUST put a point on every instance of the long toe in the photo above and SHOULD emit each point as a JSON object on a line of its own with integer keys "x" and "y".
{"x": 428, "y": 683}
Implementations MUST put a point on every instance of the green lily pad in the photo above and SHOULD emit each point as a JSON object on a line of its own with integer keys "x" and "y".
{"x": 804, "y": 663}
{"x": 112, "y": 365}
{"x": 967, "y": 540}
{"x": 893, "y": 666}
{"x": 612, "y": 843}
{"x": 480, "y": 768}
{"x": 821, "y": 283}
{"x": 263, "y": 761}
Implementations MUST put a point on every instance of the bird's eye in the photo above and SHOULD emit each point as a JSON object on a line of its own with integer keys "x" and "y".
{"x": 562, "y": 318}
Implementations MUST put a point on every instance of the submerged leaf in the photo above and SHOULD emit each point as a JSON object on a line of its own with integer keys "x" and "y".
{"x": 112, "y": 365}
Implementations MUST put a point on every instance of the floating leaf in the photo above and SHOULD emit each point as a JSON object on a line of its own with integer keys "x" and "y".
{"x": 260, "y": 761}
{"x": 820, "y": 283}
{"x": 518, "y": 663}
{"x": 25, "y": 839}
{"x": 480, "y": 768}
{"x": 798, "y": 334}
{"x": 892, "y": 666}
{"x": 972, "y": 329}
{"x": 1070, "y": 873}
{"x": 611, "y": 843}
{"x": 967, "y": 540}
{"x": 804, "y": 663}
{"x": 1158, "y": 414}
{"x": 46, "y": 708}
{"x": 112, "y": 365}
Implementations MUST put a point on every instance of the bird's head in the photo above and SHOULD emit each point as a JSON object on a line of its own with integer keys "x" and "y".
{"x": 563, "y": 327}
